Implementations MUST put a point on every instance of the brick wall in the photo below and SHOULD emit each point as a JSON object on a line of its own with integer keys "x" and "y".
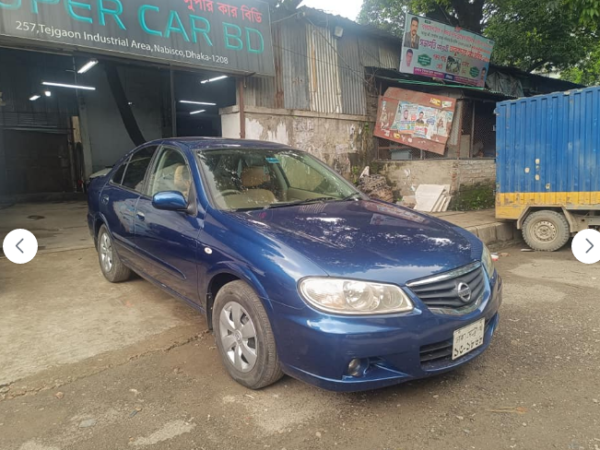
{"x": 476, "y": 171}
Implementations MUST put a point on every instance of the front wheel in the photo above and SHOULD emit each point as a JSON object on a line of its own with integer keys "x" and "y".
{"x": 244, "y": 336}
{"x": 110, "y": 263}
{"x": 546, "y": 231}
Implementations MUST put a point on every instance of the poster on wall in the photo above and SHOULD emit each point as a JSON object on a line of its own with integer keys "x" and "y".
{"x": 435, "y": 50}
{"x": 416, "y": 119}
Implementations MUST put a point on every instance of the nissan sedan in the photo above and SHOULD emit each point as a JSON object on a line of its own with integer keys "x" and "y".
{"x": 297, "y": 272}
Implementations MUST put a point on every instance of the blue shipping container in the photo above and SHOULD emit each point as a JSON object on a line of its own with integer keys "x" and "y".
{"x": 548, "y": 152}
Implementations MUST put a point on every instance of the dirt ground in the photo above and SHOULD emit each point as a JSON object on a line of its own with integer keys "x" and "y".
{"x": 89, "y": 365}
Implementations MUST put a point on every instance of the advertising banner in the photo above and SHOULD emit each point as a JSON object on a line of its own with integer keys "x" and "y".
{"x": 233, "y": 35}
{"x": 432, "y": 49}
{"x": 416, "y": 119}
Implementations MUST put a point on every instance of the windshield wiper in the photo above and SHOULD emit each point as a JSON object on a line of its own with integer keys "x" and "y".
{"x": 299, "y": 202}
{"x": 353, "y": 196}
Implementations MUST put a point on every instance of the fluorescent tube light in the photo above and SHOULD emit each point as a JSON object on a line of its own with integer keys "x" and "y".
{"x": 210, "y": 80}
{"x": 70, "y": 86}
{"x": 87, "y": 66}
{"x": 33, "y": 98}
{"x": 197, "y": 103}
{"x": 197, "y": 112}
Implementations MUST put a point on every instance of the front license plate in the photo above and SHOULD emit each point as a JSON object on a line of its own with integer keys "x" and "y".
{"x": 467, "y": 338}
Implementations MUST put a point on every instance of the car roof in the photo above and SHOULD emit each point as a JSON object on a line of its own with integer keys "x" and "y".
{"x": 213, "y": 143}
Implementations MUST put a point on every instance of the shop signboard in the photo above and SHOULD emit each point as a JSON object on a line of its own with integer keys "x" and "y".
{"x": 227, "y": 35}
{"x": 435, "y": 50}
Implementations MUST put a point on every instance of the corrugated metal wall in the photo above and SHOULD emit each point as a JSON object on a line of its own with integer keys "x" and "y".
{"x": 352, "y": 77}
{"x": 294, "y": 51}
{"x": 549, "y": 143}
{"x": 389, "y": 56}
{"x": 316, "y": 71}
{"x": 324, "y": 87}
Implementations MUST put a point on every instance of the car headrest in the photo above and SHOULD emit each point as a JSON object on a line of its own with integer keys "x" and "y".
{"x": 254, "y": 176}
{"x": 181, "y": 178}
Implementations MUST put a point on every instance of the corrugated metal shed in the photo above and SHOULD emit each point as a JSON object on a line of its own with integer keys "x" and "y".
{"x": 369, "y": 52}
{"x": 294, "y": 58}
{"x": 389, "y": 56}
{"x": 319, "y": 72}
{"x": 260, "y": 91}
{"x": 549, "y": 145}
{"x": 324, "y": 85}
{"x": 352, "y": 77}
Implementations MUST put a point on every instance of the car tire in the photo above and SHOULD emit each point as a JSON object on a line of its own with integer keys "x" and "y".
{"x": 110, "y": 263}
{"x": 546, "y": 231}
{"x": 244, "y": 336}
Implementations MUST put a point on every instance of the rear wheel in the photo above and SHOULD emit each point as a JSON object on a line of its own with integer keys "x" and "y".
{"x": 546, "y": 231}
{"x": 110, "y": 263}
{"x": 244, "y": 336}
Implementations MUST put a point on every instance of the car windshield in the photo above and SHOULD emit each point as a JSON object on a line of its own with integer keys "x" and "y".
{"x": 244, "y": 179}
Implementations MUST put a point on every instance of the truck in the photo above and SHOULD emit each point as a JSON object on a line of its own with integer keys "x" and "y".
{"x": 548, "y": 165}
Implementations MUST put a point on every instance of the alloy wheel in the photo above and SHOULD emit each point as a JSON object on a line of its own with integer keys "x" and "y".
{"x": 106, "y": 253}
{"x": 238, "y": 336}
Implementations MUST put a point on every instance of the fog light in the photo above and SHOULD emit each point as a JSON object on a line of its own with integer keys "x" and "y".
{"x": 358, "y": 367}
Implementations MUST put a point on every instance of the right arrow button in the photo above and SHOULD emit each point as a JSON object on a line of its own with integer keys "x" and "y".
{"x": 586, "y": 246}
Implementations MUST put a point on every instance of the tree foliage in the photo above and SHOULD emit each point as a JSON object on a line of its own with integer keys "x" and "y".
{"x": 535, "y": 35}
{"x": 528, "y": 34}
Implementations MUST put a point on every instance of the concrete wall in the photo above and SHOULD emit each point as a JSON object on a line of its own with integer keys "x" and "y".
{"x": 341, "y": 141}
{"x": 108, "y": 138}
{"x": 406, "y": 176}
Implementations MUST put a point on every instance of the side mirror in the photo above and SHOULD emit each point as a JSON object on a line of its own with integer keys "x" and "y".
{"x": 170, "y": 201}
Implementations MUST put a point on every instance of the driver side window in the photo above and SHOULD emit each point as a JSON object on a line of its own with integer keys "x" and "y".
{"x": 171, "y": 173}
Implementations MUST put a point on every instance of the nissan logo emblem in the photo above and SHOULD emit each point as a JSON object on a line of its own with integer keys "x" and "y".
{"x": 464, "y": 292}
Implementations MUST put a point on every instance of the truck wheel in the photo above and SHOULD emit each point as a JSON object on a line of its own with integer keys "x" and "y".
{"x": 546, "y": 231}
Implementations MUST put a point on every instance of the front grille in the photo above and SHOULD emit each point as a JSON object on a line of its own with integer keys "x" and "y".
{"x": 441, "y": 291}
{"x": 435, "y": 352}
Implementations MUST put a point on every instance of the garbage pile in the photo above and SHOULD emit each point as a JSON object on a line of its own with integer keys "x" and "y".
{"x": 375, "y": 186}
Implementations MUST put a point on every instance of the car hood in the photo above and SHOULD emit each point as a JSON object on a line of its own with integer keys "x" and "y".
{"x": 368, "y": 239}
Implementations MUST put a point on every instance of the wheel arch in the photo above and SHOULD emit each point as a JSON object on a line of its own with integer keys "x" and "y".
{"x": 99, "y": 220}
{"x": 531, "y": 209}
{"x": 219, "y": 277}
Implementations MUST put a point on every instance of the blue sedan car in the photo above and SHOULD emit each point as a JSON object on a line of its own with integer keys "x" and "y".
{"x": 296, "y": 271}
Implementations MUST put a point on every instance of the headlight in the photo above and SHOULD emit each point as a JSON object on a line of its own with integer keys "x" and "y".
{"x": 354, "y": 297}
{"x": 486, "y": 260}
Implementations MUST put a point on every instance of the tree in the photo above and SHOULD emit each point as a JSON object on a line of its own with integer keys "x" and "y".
{"x": 389, "y": 14}
{"x": 528, "y": 34}
{"x": 587, "y": 10}
{"x": 585, "y": 72}
{"x": 538, "y": 36}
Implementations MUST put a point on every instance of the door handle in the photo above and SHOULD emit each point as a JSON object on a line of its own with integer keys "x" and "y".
{"x": 141, "y": 215}
{"x": 105, "y": 199}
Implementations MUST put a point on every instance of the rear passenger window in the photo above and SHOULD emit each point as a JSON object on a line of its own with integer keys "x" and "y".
{"x": 118, "y": 176}
{"x": 136, "y": 169}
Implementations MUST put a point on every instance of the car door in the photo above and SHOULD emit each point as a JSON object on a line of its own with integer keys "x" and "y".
{"x": 167, "y": 240}
{"x": 118, "y": 201}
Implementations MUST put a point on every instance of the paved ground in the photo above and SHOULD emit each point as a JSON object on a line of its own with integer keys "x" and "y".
{"x": 56, "y": 225}
{"x": 89, "y": 365}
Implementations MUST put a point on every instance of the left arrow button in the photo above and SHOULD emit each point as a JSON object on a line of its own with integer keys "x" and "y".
{"x": 20, "y": 246}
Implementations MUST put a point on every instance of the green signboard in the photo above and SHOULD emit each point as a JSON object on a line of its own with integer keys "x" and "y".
{"x": 232, "y": 35}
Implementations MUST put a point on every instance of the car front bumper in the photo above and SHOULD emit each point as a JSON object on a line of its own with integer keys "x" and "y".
{"x": 316, "y": 347}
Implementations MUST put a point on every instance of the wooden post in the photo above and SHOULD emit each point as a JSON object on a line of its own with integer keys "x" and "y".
{"x": 240, "y": 88}
{"x": 472, "y": 129}
{"x": 173, "y": 104}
